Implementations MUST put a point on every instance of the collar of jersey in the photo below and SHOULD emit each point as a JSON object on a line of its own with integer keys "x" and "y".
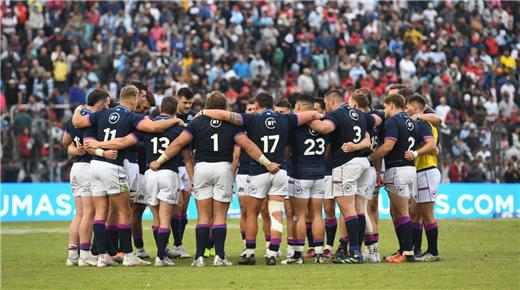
{"x": 122, "y": 107}
{"x": 87, "y": 110}
{"x": 265, "y": 111}
{"x": 345, "y": 105}
{"x": 162, "y": 117}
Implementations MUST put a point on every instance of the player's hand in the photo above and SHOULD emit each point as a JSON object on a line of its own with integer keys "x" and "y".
{"x": 91, "y": 144}
{"x": 380, "y": 180}
{"x": 179, "y": 122}
{"x": 198, "y": 115}
{"x": 154, "y": 166}
{"x": 348, "y": 147}
{"x": 80, "y": 150}
{"x": 408, "y": 155}
{"x": 110, "y": 154}
{"x": 273, "y": 168}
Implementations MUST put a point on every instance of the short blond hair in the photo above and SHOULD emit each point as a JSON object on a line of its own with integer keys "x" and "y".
{"x": 129, "y": 93}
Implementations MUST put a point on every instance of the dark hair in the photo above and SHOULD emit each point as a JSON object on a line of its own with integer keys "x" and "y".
{"x": 139, "y": 85}
{"x": 216, "y": 100}
{"x": 417, "y": 99}
{"x": 264, "y": 100}
{"x": 251, "y": 101}
{"x": 361, "y": 98}
{"x": 283, "y": 103}
{"x": 406, "y": 92}
{"x": 321, "y": 102}
{"x": 396, "y": 87}
{"x": 185, "y": 92}
{"x": 305, "y": 98}
{"x": 97, "y": 95}
{"x": 337, "y": 94}
{"x": 395, "y": 99}
{"x": 150, "y": 98}
{"x": 169, "y": 105}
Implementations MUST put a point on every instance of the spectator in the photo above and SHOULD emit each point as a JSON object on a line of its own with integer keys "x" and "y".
{"x": 305, "y": 81}
{"x": 458, "y": 170}
{"x": 511, "y": 175}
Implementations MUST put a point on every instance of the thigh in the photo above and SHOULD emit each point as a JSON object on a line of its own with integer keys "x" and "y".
{"x": 169, "y": 190}
{"x": 165, "y": 214}
{"x": 299, "y": 206}
{"x": 346, "y": 205}
{"x": 220, "y": 210}
{"x": 259, "y": 185}
{"x": 101, "y": 207}
{"x": 204, "y": 210}
{"x": 279, "y": 184}
{"x": 121, "y": 202}
{"x": 328, "y": 193}
{"x": 315, "y": 208}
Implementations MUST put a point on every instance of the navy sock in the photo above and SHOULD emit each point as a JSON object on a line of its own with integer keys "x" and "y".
{"x": 176, "y": 225}
{"x": 201, "y": 235}
{"x": 100, "y": 234}
{"x": 362, "y": 225}
{"x": 84, "y": 246}
{"x": 184, "y": 222}
{"x": 310, "y": 239}
{"x": 417, "y": 236}
{"x": 114, "y": 238}
{"x": 162, "y": 241}
{"x": 251, "y": 244}
{"x": 154, "y": 231}
{"x": 343, "y": 242}
{"x": 93, "y": 249}
{"x": 398, "y": 234}
{"x": 352, "y": 225}
{"x": 243, "y": 235}
{"x": 274, "y": 245}
{"x": 298, "y": 248}
{"x": 219, "y": 236}
{"x": 211, "y": 242}
{"x": 138, "y": 239}
{"x": 432, "y": 234}
{"x": 125, "y": 238}
{"x": 369, "y": 240}
{"x": 405, "y": 227}
{"x": 331, "y": 225}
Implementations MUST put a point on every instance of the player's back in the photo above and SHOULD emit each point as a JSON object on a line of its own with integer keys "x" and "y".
{"x": 156, "y": 143}
{"x": 351, "y": 126}
{"x": 270, "y": 132}
{"x": 114, "y": 123}
{"x": 405, "y": 132}
{"x": 308, "y": 153}
{"x": 213, "y": 140}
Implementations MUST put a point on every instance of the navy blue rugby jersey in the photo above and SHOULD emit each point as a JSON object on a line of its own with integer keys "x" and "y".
{"x": 244, "y": 163}
{"x": 269, "y": 131}
{"x": 186, "y": 118}
{"x": 351, "y": 126}
{"x": 308, "y": 153}
{"x": 114, "y": 123}
{"x": 213, "y": 140}
{"x": 407, "y": 134}
{"x": 156, "y": 143}
{"x": 77, "y": 137}
{"x": 375, "y": 133}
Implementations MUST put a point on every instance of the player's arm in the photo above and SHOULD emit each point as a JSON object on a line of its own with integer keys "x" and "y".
{"x": 173, "y": 149}
{"x": 353, "y": 147}
{"x": 306, "y": 117}
{"x": 114, "y": 144}
{"x": 377, "y": 165}
{"x": 384, "y": 149}
{"x": 149, "y": 126}
{"x": 430, "y": 116}
{"x": 377, "y": 120}
{"x": 325, "y": 126}
{"x": 78, "y": 120}
{"x": 236, "y": 159}
{"x": 107, "y": 154}
{"x": 222, "y": 115}
{"x": 429, "y": 147}
{"x": 188, "y": 163}
{"x": 254, "y": 152}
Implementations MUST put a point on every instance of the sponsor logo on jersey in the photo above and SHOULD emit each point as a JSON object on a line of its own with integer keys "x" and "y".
{"x": 409, "y": 125}
{"x": 270, "y": 123}
{"x": 215, "y": 123}
{"x": 312, "y": 132}
{"x": 113, "y": 118}
{"x": 354, "y": 115}
{"x": 190, "y": 117}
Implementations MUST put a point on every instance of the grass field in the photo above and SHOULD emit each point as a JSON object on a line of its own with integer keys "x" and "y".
{"x": 477, "y": 254}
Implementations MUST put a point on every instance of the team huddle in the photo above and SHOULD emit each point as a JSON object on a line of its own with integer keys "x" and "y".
{"x": 329, "y": 152}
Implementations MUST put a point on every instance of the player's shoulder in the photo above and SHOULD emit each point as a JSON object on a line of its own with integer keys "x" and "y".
{"x": 85, "y": 112}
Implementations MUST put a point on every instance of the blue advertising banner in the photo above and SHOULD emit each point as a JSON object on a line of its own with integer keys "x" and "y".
{"x": 54, "y": 202}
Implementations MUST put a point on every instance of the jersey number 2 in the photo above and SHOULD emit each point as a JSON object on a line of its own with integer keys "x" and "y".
{"x": 412, "y": 143}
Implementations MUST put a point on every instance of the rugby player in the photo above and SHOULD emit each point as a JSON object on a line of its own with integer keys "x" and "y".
{"x": 308, "y": 171}
{"x": 401, "y": 134}
{"x": 428, "y": 179}
{"x": 180, "y": 217}
{"x": 80, "y": 230}
{"x": 329, "y": 204}
{"x": 350, "y": 168}
{"x": 109, "y": 179}
{"x": 269, "y": 131}
{"x": 213, "y": 141}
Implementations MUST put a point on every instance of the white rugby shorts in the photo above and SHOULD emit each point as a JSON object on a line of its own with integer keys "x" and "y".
{"x": 372, "y": 183}
{"x": 268, "y": 184}
{"x": 328, "y": 193}
{"x": 162, "y": 185}
{"x": 351, "y": 178}
{"x": 427, "y": 185}
{"x": 241, "y": 184}
{"x": 401, "y": 181}
{"x": 80, "y": 179}
{"x": 132, "y": 171}
{"x": 307, "y": 188}
{"x": 107, "y": 178}
{"x": 213, "y": 180}
{"x": 140, "y": 195}
{"x": 185, "y": 179}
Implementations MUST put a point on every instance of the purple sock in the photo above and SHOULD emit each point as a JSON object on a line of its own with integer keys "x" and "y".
{"x": 405, "y": 227}
{"x": 138, "y": 239}
{"x": 250, "y": 243}
{"x": 432, "y": 234}
{"x": 84, "y": 246}
{"x": 274, "y": 245}
{"x": 176, "y": 225}
{"x": 331, "y": 225}
{"x": 219, "y": 237}
{"x": 362, "y": 225}
{"x": 243, "y": 234}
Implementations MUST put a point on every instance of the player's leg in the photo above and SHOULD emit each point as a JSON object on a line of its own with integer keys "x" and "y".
{"x": 100, "y": 229}
{"x": 417, "y": 227}
{"x": 315, "y": 211}
{"x": 299, "y": 207}
{"x": 124, "y": 226}
{"x": 73, "y": 257}
{"x": 266, "y": 222}
{"x": 219, "y": 231}
{"x": 113, "y": 246}
{"x": 240, "y": 187}
{"x": 276, "y": 193}
{"x": 310, "y": 239}
{"x": 163, "y": 233}
{"x": 331, "y": 223}
{"x": 176, "y": 226}
{"x": 429, "y": 183}
{"x": 373, "y": 214}
{"x": 290, "y": 225}
{"x": 85, "y": 232}
{"x": 137, "y": 229}
{"x": 204, "y": 215}
{"x": 253, "y": 206}
{"x": 243, "y": 218}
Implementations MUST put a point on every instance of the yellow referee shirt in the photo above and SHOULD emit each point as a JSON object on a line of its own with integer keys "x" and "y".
{"x": 426, "y": 161}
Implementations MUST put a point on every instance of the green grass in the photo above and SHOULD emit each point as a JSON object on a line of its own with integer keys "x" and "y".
{"x": 477, "y": 254}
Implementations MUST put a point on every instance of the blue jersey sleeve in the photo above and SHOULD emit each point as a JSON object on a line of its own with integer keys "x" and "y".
{"x": 136, "y": 119}
{"x": 371, "y": 121}
{"x": 391, "y": 130}
{"x": 332, "y": 117}
{"x": 138, "y": 135}
{"x": 68, "y": 127}
{"x": 248, "y": 120}
{"x": 192, "y": 127}
{"x": 425, "y": 131}
{"x": 294, "y": 121}
{"x": 92, "y": 118}
{"x": 237, "y": 131}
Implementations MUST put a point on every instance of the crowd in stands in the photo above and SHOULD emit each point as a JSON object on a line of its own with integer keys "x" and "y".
{"x": 461, "y": 55}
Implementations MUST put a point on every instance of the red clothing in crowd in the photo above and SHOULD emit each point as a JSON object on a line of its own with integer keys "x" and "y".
{"x": 458, "y": 173}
